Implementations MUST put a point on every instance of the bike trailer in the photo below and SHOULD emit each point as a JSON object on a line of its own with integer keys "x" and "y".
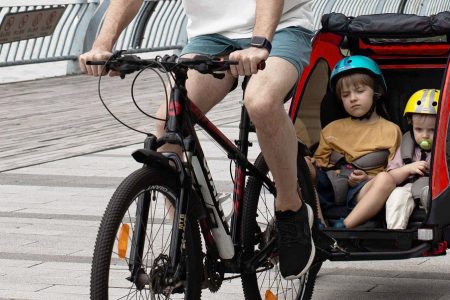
{"x": 413, "y": 53}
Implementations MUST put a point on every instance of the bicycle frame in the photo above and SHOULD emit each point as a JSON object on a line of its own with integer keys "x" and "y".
{"x": 222, "y": 241}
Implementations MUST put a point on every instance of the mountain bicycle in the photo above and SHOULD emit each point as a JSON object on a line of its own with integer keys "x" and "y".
{"x": 149, "y": 242}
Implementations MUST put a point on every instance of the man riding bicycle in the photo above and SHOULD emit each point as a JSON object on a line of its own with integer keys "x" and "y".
{"x": 247, "y": 31}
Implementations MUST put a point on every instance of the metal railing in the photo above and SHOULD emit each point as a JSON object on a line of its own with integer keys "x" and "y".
{"x": 64, "y": 44}
{"x": 159, "y": 25}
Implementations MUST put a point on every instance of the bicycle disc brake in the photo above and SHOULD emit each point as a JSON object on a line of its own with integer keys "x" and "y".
{"x": 213, "y": 274}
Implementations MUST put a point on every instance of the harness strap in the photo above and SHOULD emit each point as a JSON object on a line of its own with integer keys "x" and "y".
{"x": 407, "y": 147}
{"x": 342, "y": 169}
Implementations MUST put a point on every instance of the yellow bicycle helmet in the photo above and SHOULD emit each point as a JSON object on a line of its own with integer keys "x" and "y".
{"x": 423, "y": 102}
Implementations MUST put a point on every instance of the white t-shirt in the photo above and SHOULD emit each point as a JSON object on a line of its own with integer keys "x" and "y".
{"x": 235, "y": 18}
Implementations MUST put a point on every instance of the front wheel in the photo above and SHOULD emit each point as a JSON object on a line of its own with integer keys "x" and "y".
{"x": 259, "y": 228}
{"x": 131, "y": 252}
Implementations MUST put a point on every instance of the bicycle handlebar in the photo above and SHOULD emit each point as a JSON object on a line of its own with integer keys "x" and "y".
{"x": 127, "y": 64}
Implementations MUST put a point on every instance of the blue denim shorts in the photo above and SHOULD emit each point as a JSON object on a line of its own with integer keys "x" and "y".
{"x": 292, "y": 44}
{"x": 326, "y": 193}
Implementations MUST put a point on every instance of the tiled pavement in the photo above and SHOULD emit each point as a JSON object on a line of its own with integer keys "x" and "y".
{"x": 50, "y": 212}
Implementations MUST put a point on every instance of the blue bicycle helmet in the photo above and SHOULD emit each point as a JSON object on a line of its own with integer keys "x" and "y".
{"x": 356, "y": 63}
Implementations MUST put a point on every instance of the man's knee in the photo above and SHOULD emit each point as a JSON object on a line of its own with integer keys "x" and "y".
{"x": 261, "y": 106}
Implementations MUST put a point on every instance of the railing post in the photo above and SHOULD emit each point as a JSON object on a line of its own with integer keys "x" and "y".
{"x": 94, "y": 25}
{"x": 80, "y": 34}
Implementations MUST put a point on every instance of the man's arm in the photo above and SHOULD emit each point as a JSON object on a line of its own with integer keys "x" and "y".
{"x": 119, "y": 14}
{"x": 267, "y": 18}
{"x": 268, "y": 14}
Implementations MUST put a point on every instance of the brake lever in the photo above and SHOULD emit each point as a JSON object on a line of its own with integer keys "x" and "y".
{"x": 124, "y": 64}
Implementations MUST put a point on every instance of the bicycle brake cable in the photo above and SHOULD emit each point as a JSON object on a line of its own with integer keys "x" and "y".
{"x": 104, "y": 104}
{"x": 132, "y": 91}
{"x": 112, "y": 114}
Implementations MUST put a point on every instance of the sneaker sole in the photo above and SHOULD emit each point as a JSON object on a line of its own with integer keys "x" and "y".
{"x": 313, "y": 248}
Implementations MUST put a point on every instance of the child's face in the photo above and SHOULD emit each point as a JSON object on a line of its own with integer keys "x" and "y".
{"x": 423, "y": 127}
{"x": 357, "y": 98}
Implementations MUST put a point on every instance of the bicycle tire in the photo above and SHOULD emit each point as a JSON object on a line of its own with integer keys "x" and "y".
{"x": 257, "y": 285}
{"x": 109, "y": 273}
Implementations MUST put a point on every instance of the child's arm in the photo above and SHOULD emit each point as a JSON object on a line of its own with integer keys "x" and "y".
{"x": 414, "y": 168}
{"x": 322, "y": 155}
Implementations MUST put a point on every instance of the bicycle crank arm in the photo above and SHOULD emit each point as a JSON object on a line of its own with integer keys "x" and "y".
{"x": 251, "y": 265}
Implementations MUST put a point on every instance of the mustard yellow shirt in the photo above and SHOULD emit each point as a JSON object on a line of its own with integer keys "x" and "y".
{"x": 354, "y": 139}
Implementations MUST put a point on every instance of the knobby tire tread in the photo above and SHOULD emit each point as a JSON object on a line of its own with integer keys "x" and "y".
{"x": 251, "y": 198}
{"x": 117, "y": 206}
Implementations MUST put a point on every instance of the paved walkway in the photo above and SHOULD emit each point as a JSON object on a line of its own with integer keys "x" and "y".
{"x": 54, "y": 191}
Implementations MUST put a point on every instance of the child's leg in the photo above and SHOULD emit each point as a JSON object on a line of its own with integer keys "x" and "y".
{"x": 370, "y": 200}
{"x": 399, "y": 207}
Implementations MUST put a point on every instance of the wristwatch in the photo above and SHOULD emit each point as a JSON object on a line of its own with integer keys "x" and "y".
{"x": 261, "y": 42}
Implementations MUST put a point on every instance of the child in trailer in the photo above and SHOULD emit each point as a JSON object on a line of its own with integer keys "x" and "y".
{"x": 353, "y": 152}
{"x": 411, "y": 162}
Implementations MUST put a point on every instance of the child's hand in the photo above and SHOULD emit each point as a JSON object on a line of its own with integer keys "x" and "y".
{"x": 418, "y": 167}
{"x": 312, "y": 160}
{"x": 356, "y": 177}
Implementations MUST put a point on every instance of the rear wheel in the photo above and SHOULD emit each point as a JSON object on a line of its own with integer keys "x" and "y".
{"x": 267, "y": 282}
{"x": 144, "y": 203}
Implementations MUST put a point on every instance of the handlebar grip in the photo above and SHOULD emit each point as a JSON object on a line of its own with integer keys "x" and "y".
{"x": 95, "y": 62}
{"x": 262, "y": 65}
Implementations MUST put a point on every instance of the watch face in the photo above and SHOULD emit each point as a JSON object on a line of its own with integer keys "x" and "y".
{"x": 258, "y": 40}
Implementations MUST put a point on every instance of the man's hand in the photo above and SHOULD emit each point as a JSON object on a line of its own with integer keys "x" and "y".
{"x": 356, "y": 177}
{"x": 418, "y": 168}
{"x": 248, "y": 59}
{"x": 94, "y": 55}
{"x": 118, "y": 16}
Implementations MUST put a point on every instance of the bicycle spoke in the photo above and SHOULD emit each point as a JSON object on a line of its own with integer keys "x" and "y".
{"x": 157, "y": 241}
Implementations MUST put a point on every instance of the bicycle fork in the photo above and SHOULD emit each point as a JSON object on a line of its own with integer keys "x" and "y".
{"x": 171, "y": 270}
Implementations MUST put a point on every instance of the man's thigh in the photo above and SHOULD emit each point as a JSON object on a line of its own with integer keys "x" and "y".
{"x": 291, "y": 49}
{"x": 293, "y": 44}
{"x": 206, "y": 91}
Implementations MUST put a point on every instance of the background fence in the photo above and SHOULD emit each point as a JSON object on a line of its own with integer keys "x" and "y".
{"x": 159, "y": 25}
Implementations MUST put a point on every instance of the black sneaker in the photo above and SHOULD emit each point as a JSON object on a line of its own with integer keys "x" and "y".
{"x": 295, "y": 244}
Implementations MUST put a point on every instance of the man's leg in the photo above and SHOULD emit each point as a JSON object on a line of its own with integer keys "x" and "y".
{"x": 204, "y": 91}
{"x": 276, "y": 135}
